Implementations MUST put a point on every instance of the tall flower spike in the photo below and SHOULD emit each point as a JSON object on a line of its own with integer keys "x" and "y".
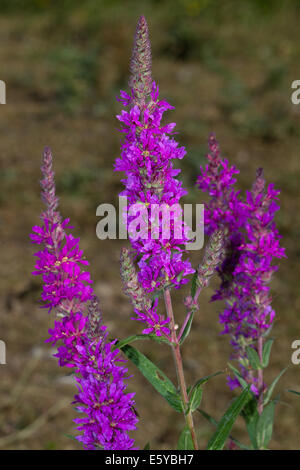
{"x": 107, "y": 413}
{"x": 252, "y": 244}
{"x": 147, "y": 154}
{"x": 140, "y": 66}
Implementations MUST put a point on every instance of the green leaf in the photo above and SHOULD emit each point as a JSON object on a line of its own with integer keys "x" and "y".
{"x": 175, "y": 401}
{"x": 205, "y": 379}
{"x": 253, "y": 358}
{"x": 132, "y": 338}
{"x": 225, "y": 424}
{"x": 195, "y": 394}
{"x": 185, "y": 440}
{"x": 128, "y": 340}
{"x": 272, "y": 386}
{"x": 264, "y": 427}
{"x": 155, "y": 376}
{"x": 187, "y": 328}
{"x": 241, "y": 380}
{"x": 266, "y": 352}
{"x": 195, "y": 399}
{"x": 251, "y": 416}
{"x": 194, "y": 284}
{"x": 211, "y": 420}
{"x": 294, "y": 391}
{"x": 147, "y": 446}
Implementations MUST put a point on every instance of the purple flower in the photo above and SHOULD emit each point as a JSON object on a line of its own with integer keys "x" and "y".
{"x": 156, "y": 323}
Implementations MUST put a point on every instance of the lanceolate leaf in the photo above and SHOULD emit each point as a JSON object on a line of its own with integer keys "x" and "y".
{"x": 264, "y": 427}
{"x": 187, "y": 328}
{"x": 195, "y": 393}
{"x": 272, "y": 386}
{"x": 185, "y": 440}
{"x": 237, "y": 374}
{"x": 205, "y": 379}
{"x": 225, "y": 424}
{"x": 266, "y": 352}
{"x": 253, "y": 358}
{"x": 250, "y": 414}
{"x": 195, "y": 399}
{"x": 155, "y": 376}
{"x": 131, "y": 339}
{"x": 211, "y": 420}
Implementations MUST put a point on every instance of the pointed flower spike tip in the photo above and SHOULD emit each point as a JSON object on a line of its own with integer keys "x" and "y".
{"x": 259, "y": 183}
{"x": 140, "y": 66}
{"x": 48, "y": 183}
{"x": 213, "y": 257}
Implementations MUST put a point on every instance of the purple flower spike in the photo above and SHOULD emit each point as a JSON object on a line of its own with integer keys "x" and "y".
{"x": 82, "y": 339}
{"x": 147, "y": 154}
{"x": 252, "y": 243}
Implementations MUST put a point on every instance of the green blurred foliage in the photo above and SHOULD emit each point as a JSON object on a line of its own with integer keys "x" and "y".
{"x": 80, "y": 37}
{"x": 76, "y": 181}
{"x": 74, "y": 75}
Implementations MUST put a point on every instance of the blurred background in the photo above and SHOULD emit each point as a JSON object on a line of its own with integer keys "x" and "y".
{"x": 227, "y": 67}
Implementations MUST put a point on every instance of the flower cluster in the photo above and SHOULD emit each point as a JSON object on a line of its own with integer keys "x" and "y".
{"x": 147, "y": 156}
{"x": 253, "y": 242}
{"x": 83, "y": 342}
{"x": 102, "y": 398}
{"x": 224, "y": 209}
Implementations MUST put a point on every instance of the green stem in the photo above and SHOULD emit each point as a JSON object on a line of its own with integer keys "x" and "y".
{"x": 179, "y": 367}
{"x": 260, "y": 378}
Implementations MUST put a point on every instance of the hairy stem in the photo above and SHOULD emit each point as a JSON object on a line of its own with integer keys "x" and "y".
{"x": 179, "y": 367}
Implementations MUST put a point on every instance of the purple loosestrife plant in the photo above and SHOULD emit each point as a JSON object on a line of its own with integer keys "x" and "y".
{"x": 156, "y": 264}
{"x": 243, "y": 242}
{"x": 224, "y": 209}
{"x": 252, "y": 244}
{"x": 107, "y": 410}
{"x": 147, "y": 155}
